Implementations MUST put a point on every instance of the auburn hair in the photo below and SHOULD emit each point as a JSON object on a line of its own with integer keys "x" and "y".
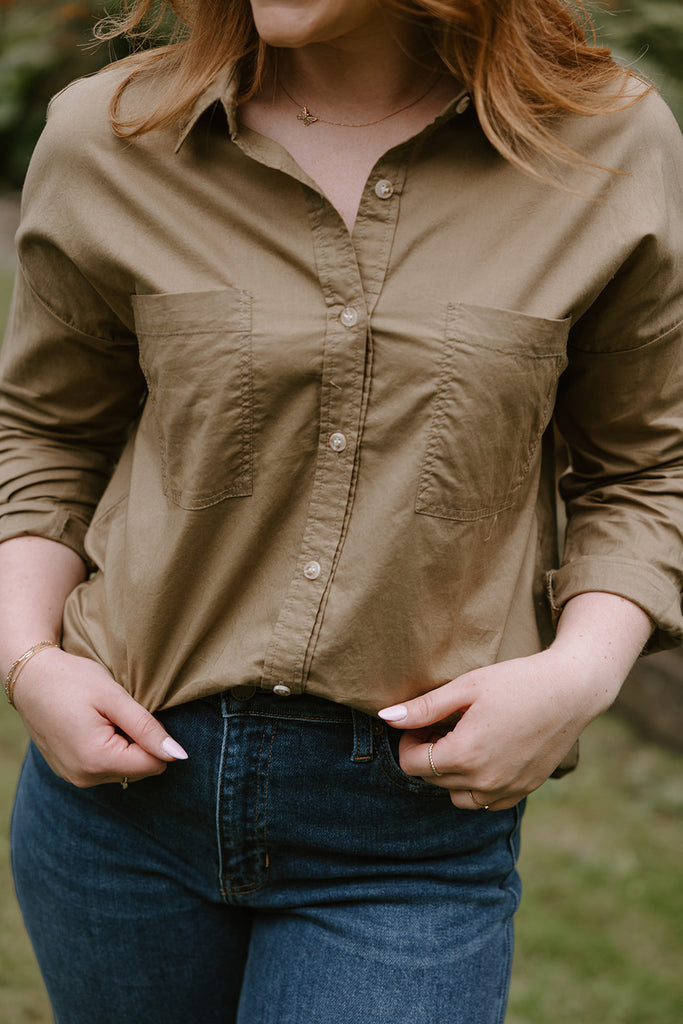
{"x": 524, "y": 62}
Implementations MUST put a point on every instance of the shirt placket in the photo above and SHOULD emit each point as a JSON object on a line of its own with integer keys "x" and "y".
{"x": 351, "y": 285}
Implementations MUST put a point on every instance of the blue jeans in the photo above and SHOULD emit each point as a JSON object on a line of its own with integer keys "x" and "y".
{"x": 288, "y": 872}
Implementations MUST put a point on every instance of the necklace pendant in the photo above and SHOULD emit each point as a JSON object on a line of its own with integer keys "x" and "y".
{"x": 305, "y": 116}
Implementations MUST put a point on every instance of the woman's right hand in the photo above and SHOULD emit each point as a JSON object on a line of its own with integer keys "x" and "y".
{"x": 86, "y": 726}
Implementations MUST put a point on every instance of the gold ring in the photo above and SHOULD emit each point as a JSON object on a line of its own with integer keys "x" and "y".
{"x": 482, "y": 807}
{"x": 430, "y": 754}
{"x": 124, "y": 782}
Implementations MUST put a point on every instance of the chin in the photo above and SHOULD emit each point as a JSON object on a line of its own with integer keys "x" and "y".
{"x": 284, "y": 27}
{"x": 291, "y": 24}
{"x": 284, "y": 40}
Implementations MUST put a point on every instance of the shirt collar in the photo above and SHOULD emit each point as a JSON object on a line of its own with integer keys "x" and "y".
{"x": 223, "y": 89}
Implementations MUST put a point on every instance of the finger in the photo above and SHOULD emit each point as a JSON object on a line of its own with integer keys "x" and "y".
{"x": 447, "y": 701}
{"x": 103, "y": 755}
{"x": 123, "y": 758}
{"x": 479, "y": 800}
{"x": 141, "y": 727}
{"x": 428, "y": 759}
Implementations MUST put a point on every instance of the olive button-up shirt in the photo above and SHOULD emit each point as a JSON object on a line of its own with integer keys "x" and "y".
{"x": 313, "y": 461}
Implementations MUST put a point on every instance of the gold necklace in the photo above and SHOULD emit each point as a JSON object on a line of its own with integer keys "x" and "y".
{"x": 307, "y": 118}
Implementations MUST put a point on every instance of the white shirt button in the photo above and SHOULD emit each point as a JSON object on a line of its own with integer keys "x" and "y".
{"x": 337, "y": 441}
{"x": 349, "y": 316}
{"x": 462, "y": 105}
{"x": 282, "y": 690}
{"x": 384, "y": 189}
{"x": 312, "y": 570}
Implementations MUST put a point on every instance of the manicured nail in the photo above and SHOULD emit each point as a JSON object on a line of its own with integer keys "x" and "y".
{"x": 173, "y": 749}
{"x": 396, "y": 713}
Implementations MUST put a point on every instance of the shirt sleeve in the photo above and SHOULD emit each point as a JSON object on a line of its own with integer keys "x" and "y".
{"x": 67, "y": 399}
{"x": 70, "y": 382}
{"x": 620, "y": 409}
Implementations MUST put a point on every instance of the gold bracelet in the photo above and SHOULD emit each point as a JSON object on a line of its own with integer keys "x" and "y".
{"x": 18, "y": 665}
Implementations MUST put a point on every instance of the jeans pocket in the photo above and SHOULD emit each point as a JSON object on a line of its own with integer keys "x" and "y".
{"x": 388, "y": 759}
{"x": 495, "y": 397}
{"x": 195, "y": 353}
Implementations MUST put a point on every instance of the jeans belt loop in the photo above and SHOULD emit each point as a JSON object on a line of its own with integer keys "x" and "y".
{"x": 362, "y": 736}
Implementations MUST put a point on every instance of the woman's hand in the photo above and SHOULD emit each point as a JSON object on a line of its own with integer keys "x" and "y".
{"x": 88, "y": 729}
{"x": 518, "y": 719}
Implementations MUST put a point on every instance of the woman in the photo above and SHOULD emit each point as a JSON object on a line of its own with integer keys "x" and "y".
{"x": 298, "y": 300}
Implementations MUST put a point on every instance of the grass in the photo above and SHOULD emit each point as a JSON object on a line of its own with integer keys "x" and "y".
{"x": 600, "y": 930}
{"x": 22, "y": 997}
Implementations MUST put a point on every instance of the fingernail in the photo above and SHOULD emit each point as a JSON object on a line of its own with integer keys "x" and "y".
{"x": 173, "y": 749}
{"x": 396, "y": 713}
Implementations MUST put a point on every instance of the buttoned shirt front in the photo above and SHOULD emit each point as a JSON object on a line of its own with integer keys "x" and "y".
{"x": 313, "y": 461}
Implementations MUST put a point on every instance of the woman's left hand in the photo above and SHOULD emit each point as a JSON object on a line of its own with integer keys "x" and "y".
{"x": 518, "y": 719}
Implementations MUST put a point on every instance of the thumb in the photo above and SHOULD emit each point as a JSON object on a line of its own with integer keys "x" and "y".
{"x": 142, "y": 727}
{"x": 444, "y": 703}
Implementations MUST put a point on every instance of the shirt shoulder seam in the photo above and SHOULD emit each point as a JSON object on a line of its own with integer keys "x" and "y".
{"x": 48, "y": 309}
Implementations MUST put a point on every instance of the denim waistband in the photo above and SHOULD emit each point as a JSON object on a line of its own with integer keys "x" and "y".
{"x": 255, "y": 702}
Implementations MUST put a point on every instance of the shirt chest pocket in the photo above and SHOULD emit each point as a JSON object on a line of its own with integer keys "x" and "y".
{"x": 195, "y": 352}
{"x": 494, "y": 399}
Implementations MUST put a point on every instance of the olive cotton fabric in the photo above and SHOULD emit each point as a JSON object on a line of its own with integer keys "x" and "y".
{"x": 332, "y": 456}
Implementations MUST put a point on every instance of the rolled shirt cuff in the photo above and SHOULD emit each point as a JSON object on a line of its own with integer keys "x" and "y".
{"x": 641, "y": 583}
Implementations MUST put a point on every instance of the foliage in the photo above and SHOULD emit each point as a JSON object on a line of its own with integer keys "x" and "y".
{"x": 44, "y": 45}
{"x": 647, "y": 34}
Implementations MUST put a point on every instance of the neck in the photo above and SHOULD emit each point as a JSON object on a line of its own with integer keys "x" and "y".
{"x": 376, "y": 70}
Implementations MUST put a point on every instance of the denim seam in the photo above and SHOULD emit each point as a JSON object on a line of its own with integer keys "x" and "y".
{"x": 509, "y": 933}
{"x": 504, "y": 995}
{"x": 513, "y": 832}
{"x": 295, "y": 717}
{"x": 264, "y": 871}
{"x": 262, "y": 880}
{"x": 219, "y": 806}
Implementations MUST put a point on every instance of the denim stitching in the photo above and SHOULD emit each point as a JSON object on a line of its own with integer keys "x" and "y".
{"x": 219, "y": 807}
{"x": 294, "y": 717}
{"x": 262, "y": 880}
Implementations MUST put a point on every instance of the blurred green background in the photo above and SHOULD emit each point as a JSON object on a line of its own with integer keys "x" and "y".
{"x": 600, "y": 931}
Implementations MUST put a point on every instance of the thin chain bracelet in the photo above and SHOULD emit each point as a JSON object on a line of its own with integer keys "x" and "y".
{"x": 18, "y": 665}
